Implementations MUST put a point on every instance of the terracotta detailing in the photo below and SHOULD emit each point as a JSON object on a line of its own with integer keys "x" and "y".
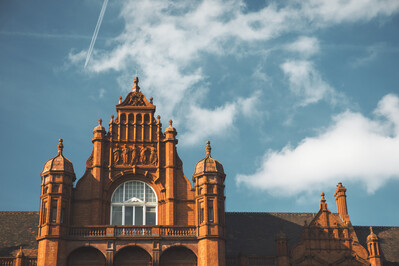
{"x": 373, "y": 247}
{"x": 55, "y": 207}
{"x": 209, "y": 179}
{"x": 340, "y": 198}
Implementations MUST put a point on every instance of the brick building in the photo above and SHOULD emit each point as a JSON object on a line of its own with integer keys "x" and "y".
{"x": 135, "y": 206}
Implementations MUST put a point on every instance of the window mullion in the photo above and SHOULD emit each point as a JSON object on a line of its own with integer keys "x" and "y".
{"x": 134, "y": 215}
{"x": 144, "y": 215}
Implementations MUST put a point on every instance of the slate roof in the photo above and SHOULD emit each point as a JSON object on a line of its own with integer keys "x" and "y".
{"x": 18, "y": 229}
{"x": 254, "y": 234}
{"x": 389, "y": 241}
{"x": 249, "y": 234}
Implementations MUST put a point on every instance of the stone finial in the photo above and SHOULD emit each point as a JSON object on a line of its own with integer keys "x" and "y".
{"x": 136, "y": 87}
{"x": 20, "y": 253}
{"x": 158, "y": 117}
{"x": 323, "y": 199}
{"x": 112, "y": 119}
{"x": 372, "y": 236}
{"x": 170, "y": 122}
{"x": 151, "y": 99}
{"x": 100, "y": 121}
{"x": 120, "y": 99}
{"x": 208, "y": 148}
{"x": 60, "y": 146}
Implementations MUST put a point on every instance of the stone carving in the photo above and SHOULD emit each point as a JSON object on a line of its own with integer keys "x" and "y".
{"x": 135, "y": 99}
{"x": 128, "y": 155}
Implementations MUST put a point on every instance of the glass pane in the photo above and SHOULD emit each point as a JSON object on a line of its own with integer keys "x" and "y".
{"x": 138, "y": 219}
{"x": 118, "y": 195}
{"x": 210, "y": 214}
{"x": 149, "y": 194}
{"x": 150, "y": 215}
{"x": 128, "y": 190}
{"x": 138, "y": 190}
{"x": 128, "y": 215}
{"x": 117, "y": 215}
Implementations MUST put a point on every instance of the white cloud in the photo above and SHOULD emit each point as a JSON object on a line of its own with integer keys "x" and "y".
{"x": 167, "y": 40}
{"x": 305, "y": 46}
{"x": 204, "y": 123}
{"x": 306, "y": 82}
{"x": 354, "y": 148}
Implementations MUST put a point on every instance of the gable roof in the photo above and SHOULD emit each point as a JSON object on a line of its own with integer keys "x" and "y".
{"x": 18, "y": 229}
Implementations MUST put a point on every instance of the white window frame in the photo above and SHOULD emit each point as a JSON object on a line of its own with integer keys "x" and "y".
{"x": 134, "y": 204}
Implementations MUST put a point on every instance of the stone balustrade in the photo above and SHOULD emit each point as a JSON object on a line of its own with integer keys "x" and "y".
{"x": 132, "y": 231}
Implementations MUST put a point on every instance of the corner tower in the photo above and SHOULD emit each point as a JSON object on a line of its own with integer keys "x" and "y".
{"x": 55, "y": 207}
{"x": 209, "y": 179}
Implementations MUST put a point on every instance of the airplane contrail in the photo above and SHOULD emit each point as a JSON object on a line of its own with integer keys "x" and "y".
{"x": 93, "y": 40}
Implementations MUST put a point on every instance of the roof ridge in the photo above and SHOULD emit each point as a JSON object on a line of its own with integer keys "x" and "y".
{"x": 287, "y": 213}
{"x": 19, "y": 211}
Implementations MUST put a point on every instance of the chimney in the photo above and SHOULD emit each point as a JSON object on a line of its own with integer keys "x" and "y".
{"x": 340, "y": 198}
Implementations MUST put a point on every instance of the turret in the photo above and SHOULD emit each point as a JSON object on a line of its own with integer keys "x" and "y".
{"x": 340, "y": 198}
{"x": 209, "y": 179}
{"x": 55, "y": 206}
{"x": 373, "y": 247}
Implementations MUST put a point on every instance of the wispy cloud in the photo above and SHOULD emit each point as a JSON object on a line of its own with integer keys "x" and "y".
{"x": 206, "y": 122}
{"x": 353, "y": 148}
{"x": 306, "y": 82}
{"x": 371, "y": 54}
{"x": 44, "y": 35}
{"x": 305, "y": 46}
{"x": 167, "y": 39}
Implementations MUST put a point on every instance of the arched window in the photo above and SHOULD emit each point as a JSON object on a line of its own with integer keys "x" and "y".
{"x": 134, "y": 203}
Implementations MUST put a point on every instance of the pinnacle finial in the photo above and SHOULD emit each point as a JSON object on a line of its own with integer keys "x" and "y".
{"x": 151, "y": 99}
{"x": 20, "y": 252}
{"x": 136, "y": 87}
{"x": 100, "y": 121}
{"x": 60, "y": 146}
{"x": 120, "y": 99}
{"x": 323, "y": 199}
{"x": 208, "y": 148}
{"x": 170, "y": 122}
{"x": 371, "y": 230}
{"x": 112, "y": 119}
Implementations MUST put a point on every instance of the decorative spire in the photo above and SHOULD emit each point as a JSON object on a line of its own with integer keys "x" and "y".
{"x": 151, "y": 99}
{"x": 323, "y": 199}
{"x": 100, "y": 121}
{"x": 208, "y": 149}
{"x": 372, "y": 236}
{"x": 112, "y": 119}
{"x": 60, "y": 146}
{"x": 170, "y": 122}
{"x": 136, "y": 87}
{"x": 120, "y": 99}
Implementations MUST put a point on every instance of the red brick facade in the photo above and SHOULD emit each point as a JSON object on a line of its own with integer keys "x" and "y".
{"x": 190, "y": 225}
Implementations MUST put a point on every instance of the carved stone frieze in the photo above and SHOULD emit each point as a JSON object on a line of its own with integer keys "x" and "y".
{"x": 135, "y": 99}
{"x": 133, "y": 154}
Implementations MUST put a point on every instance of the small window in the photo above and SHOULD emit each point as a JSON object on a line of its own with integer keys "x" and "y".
{"x": 210, "y": 214}
{"x": 54, "y": 214}
{"x": 202, "y": 215}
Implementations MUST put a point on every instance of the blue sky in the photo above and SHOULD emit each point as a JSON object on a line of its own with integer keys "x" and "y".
{"x": 295, "y": 96}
